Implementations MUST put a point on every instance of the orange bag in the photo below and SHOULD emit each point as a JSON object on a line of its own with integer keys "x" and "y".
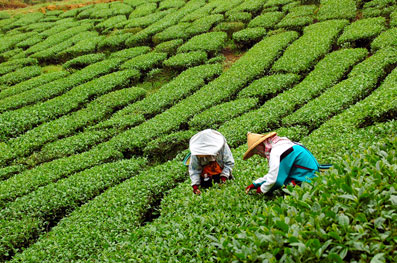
{"x": 211, "y": 169}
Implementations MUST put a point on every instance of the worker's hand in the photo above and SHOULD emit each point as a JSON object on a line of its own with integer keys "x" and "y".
{"x": 196, "y": 190}
{"x": 223, "y": 179}
{"x": 249, "y": 188}
{"x": 258, "y": 190}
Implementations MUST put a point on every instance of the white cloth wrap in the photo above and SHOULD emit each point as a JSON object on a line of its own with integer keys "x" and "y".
{"x": 206, "y": 142}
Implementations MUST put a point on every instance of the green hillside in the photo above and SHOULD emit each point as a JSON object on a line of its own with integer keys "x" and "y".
{"x": 98, "y": 103}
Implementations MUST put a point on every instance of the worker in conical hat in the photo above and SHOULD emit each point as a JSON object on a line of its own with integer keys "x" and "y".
{"x": 289, "y": 162}
{"x": 211, "y": 159}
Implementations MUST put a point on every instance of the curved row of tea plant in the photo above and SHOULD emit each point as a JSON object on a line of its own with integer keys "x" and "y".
{"x": 358, "y": 85}
{"x": 94, "y": 112}
{"x": 28, "y": 217}
{"x": 326, "y": 73}
{"x": 13, "y": 123}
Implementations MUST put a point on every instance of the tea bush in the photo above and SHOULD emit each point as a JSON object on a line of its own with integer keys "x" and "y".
{"x": 94, "y": 112}
{"x": 326, "y": 73}
{"x": 170, "y": 47}
{"x": 186, "y": 60}
{"x": 249, "y": 36}
{"x": 174, "y": 32}
{"x": 145, "y": 61}
{"x": 32, "y": 83}
{"x": 316, "y": 41}
{"x": 214, "y": 116}
{"x": 83, "y": 61}
{"x": 57, "y": 87}
{"x": 166, "y": 147}
{"x": 337, "y": 9}
{"x": 385, "y": 39}
{"x": 210, "y": 42}
{"x": 28, "y": 217}
{"x": 362, "y": 80}
{"x": 9, "y": 66}
{"x": 269, "y": 85}
{"x": 363, "y": 29}
{"x": 267, "y": 20}
{"x": 20, "y": 75}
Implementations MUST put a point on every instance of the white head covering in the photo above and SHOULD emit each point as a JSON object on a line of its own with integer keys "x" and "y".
{"x": 206, "y": 142}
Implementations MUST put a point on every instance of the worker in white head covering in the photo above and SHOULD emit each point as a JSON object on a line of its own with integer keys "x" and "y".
{"x": 211, "y": 159}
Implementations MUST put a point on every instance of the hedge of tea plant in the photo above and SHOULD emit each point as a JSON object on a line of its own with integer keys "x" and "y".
{"x": 10, "y": 54}
{"x": 337, "y": 9}
{"x": 170, "y": 47}
{"x": 387, "y": 38}
{"x": 143, "y": 10}
{"x": 363, "y": 29}
{"x": 168, "y": 146}
{"x": 362, "y": 80}
{"x": 200, "y": 12}
{"x": 145, "y": 21}
{"x": 9, "y": 66}
{"x": 129, "y": 53}
{"x": 393, "y": 19}
{"x": 377, "y": 107}
{"x": 145, "y": 62}
{"x": 277, "y": 3}
{"x": 83, "y": 61}
{"x": 229, "y": 27}
{"x": 85, "y": 231}
{"x": 179, "y": 88}
{"x": 67, "y": 146}
{"x": 26, "y": 118}
{"x": 211, "y": 42}
{"x": 249, "y": 36}
{"x": 167, "y": 4}
{"x": 94, "y": 112}
{"x": 378, "y": 8}
{"x": 244, "y": 17}
{"x": 326, "y": 73}
{"x": 32, "y": 83}
{"x": 82, "y": 47}
{"x": 224, "y": 6}
{"x": 20, "y": 75}
{"x": 58, "y": 38}
{"x": 59, "y": 27}
{"x": 216, "y": 115}
{"x": 57, "y": 87}
{"x": 171, "y": 19}
{"x": 177, "y": 31}
{"x": 31, "y": 41}
{"x": 114, "y": 41}
{"x": 269, "y": 86}
{"x": 267, "y": 20}
{"x": 317, "y": 40}
{"x": 77, "y": 45}
{"x": 259, "y": 58}
{"x": 186, "y": 60}
{"x": 26, "y": 218}
{"x": 293, "y": 22}
{"x": 251, "y": 6}
{"x": 30, "y": 180}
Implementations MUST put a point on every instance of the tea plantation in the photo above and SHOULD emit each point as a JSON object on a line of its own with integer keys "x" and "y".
{"x": 98, "y": 103}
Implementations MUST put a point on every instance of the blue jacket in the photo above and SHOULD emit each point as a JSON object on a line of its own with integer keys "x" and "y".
{"x": 288, "y": 161}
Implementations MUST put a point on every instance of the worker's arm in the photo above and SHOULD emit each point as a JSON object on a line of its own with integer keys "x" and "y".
{"x": 228, "y": 161}
{"x": 267, "y": 182}
{"x": 195, "y": 170}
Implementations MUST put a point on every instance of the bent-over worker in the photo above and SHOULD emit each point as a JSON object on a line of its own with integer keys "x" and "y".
{"x": 289, "y": 162}
{"x": 211, "y": 159}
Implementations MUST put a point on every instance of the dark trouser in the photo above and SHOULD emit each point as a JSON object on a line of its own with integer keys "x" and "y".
{"x": 207, "y": 184}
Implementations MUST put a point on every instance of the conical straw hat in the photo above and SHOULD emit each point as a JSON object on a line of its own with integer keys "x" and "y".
{"x": 253, "y": 140}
